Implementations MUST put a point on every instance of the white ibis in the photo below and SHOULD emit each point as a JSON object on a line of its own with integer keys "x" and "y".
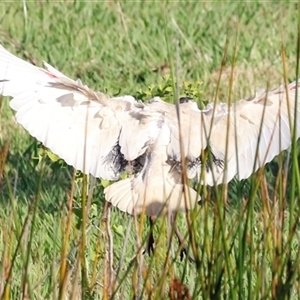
{"x": 106, "y": 136}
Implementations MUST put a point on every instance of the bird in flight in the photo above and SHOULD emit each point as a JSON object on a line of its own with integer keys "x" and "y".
{"x": 154, "y": 142}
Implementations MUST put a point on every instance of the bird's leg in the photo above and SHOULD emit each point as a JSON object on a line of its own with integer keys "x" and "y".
{"x": 181, "y": 241}
{"x": 150, "y": 241}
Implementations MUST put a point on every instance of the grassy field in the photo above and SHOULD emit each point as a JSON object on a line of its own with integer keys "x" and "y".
{"x": 57, "y": 244}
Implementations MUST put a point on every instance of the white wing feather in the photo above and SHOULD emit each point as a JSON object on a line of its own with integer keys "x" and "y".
{"x": 76, "y": 123}
{"x": 259, "y": 129}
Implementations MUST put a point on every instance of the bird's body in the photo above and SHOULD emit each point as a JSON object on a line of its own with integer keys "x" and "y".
{"x": 106, "y": 136}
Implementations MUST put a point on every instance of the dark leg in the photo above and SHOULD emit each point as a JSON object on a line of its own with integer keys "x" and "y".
{"x": 150, "y": 241}
{"x": 181, "y": 241}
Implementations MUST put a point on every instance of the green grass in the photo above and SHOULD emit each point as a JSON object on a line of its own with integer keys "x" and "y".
{"x": 247, "y": 239}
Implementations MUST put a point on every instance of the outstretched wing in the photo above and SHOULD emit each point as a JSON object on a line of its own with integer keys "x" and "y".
{"x": 79, "y": 125}
{"x": 224, "y": 141}
{"x": 254, "y": 131}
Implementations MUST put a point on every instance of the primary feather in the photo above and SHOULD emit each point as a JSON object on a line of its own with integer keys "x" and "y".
{"x": 106, "y": 136}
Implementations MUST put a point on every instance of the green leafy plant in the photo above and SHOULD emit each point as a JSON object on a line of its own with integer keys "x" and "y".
{"x": 165, "y": 90}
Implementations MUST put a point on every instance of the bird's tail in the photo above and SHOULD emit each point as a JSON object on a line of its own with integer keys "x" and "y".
{"x": 155, "y": 197}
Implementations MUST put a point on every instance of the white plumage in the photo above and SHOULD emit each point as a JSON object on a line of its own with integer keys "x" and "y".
{"x": 105, "y": 136}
